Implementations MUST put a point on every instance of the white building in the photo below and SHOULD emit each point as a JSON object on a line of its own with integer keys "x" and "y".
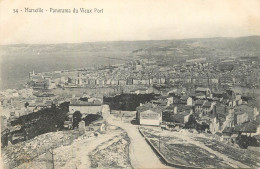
{"x": 149, "y": 115}
{"x": 85, "y": 108}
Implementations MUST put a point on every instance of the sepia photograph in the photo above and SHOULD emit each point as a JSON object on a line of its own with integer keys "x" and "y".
{"x": 141, "y": 84}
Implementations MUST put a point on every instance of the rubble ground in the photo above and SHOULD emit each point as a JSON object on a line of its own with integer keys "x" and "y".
{"x": 78, "y": 154}
{"x": 25, "y": 152}
{"x": 245, "y": 156}
{"x": 114, "y": 153}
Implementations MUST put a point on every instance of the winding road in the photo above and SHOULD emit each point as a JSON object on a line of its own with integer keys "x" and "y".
{"x": 141, "y": 154}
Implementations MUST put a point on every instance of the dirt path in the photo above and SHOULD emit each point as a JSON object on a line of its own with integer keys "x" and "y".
{"x": 141, "y": 155}
{"x": 82, "y": 149}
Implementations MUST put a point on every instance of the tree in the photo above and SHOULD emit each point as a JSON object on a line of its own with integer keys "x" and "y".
{"x": 192, "y": 123}
{"x": 242, "y": 141}
{"x": 204, "y": 126}
{"x": 26, "y": 104}
{"x": 76, "y": 118}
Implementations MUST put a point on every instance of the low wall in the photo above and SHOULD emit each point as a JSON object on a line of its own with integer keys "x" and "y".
{"x": 161, "y": 156}
{"x": 257, "y": 149}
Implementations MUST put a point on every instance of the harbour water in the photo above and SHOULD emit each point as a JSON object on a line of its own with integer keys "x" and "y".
{"x": 14, "y": 73}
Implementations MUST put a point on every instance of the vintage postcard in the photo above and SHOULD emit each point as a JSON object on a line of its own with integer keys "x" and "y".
{"x": 129, "y": 84}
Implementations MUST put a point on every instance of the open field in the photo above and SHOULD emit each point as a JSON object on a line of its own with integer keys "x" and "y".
{"x": 197, "y": 150}
{"x": 242, "y": 155}
{"x": 189, "y": 155}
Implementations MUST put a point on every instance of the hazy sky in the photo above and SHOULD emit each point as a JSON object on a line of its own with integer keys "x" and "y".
{"x": 128, "y": 20}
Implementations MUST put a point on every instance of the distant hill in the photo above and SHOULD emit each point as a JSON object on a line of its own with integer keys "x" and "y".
{"x": 250, "y": 43}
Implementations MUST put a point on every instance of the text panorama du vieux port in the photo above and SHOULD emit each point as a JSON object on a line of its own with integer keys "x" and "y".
{"x": 57, "y": 10}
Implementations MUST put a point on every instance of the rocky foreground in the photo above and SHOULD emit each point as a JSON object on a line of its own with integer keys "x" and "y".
{"x": 106, "y": 149}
